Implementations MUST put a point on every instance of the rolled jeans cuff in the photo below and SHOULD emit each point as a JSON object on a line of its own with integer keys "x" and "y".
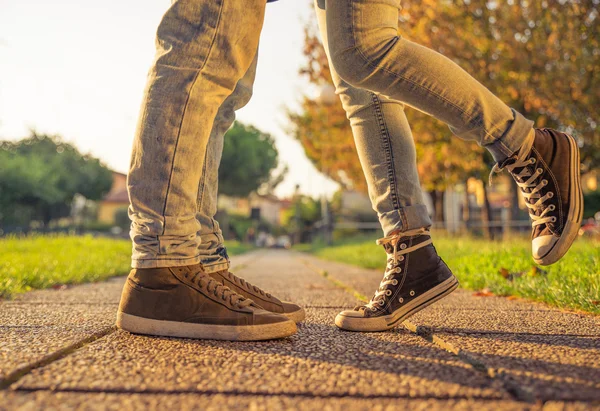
{"x": 210, "y": 252}
{"x": 404, "y": 219}
{"x": 519, "y": 131}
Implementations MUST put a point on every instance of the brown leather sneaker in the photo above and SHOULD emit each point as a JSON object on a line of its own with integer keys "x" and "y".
{"x": 260, "y": 297}
{"x": 547, "y": 172}
{"x": 186, "y": 302}
{"x": 415, "y": 277}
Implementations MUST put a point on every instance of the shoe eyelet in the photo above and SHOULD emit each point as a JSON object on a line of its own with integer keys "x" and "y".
{"x": 398, "y": 269}
{"x": 532, "y": 160}
{"x": 412, "y": 293}
{"x": 552, "y": 207}
{"x": 545, "y": 182}
{"x": 395, "y": 282}
{"x": 539, "y": 171}
{"x": 550, "y": 194}
{"x": 381, "y": 303}
{"x": 388, "y": 292}
{"x": 553, "y": 219}
{"x": 401, "y": 300}
{"x": 402, "y": 246}
{"x": 401, "y": 258}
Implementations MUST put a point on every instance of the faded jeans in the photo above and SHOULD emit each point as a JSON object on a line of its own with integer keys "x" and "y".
{"x": 204, "y": 70}
{"x": 376, "y": 73}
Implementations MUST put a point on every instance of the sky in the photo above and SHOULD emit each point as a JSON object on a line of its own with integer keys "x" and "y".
{"x": 78, "y": 69}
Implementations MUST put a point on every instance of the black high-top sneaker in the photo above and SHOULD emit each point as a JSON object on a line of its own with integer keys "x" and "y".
{"x": 546, "y": 170}
{"x": 415, "y": 277}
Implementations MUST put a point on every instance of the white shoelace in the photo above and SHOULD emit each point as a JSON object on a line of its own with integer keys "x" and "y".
{"x": 392, "y": 266}
{"x": 527, "y": 180}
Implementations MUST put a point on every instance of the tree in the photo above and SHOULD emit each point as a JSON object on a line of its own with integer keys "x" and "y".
{"x": 249, "y": 158}
{"x": 40, "y": 175}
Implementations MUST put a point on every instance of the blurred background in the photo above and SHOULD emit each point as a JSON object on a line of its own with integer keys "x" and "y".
{"x": 71, "y": 81}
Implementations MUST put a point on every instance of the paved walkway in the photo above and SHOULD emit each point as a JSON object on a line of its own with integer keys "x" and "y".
{"x": 59, "y": 349}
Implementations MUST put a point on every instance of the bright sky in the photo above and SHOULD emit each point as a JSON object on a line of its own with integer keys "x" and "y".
{"x": 78, "y": 69}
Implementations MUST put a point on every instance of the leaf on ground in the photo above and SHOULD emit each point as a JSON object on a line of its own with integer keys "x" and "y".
{"x": 595, "y": 302}
{"x": 59, "y": 287}
{"x": 512, "y": 297}
{"x": 508, "y": 275}
{"x": 535, "y": 271}
{"x": 483, "y": 293}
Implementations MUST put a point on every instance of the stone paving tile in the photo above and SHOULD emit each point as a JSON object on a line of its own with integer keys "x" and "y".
{"x": 553, "y": 353}
{"x": 288, "y": 279}
{"x": 125, "y": 401}
{"x": 319, "y": 360}
{"x": 30, "y": 332}
{"x": 552, "y": 367}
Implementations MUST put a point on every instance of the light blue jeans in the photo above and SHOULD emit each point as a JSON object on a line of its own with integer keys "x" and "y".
{"x": 376, "y": 73}
{"x": 204, "y": 70}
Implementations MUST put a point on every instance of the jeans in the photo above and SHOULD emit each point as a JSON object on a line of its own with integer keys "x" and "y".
{"x": 376, "y": 73}
{"x": 204, "y": 69}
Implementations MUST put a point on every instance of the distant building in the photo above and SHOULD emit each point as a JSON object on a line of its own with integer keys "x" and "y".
{"x": 266, "y": 207}
{"x": 116, "y": 199}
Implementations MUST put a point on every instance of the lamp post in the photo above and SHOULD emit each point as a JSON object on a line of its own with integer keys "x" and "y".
{"x": 326, "y": 97}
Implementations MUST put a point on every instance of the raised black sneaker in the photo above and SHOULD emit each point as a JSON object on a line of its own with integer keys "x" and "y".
{"x": 546, "y": 170}
{"x": 415, "y": 277}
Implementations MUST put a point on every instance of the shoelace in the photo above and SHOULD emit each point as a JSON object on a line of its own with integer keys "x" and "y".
{"x": 392, "y": 266}
{"x": 530, "y": 187}
{"x": 219, "y": 290}
{"x": 246, "y": 284}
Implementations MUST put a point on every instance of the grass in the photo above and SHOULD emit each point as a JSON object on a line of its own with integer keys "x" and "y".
{"x": 573, "y": 282}
{"x": 44, "y": 261}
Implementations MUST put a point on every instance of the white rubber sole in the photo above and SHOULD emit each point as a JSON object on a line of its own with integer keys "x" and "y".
{"x": 390, "y": 321}
{"x": 147, "y": 326}
{"x": 296, "y": 316}
{"x": 571, "y": 229}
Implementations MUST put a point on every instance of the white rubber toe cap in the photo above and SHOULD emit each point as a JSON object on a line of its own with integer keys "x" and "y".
{"x": 541, "y": 246}
{"x": 352, "y": 314}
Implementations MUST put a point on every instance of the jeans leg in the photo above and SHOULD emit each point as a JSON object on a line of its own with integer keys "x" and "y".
{"x": 386, "y": 150}
{"x": 204, "y": 47}
{"x": 211, "y": 246}
{"x": 367, "y": 52}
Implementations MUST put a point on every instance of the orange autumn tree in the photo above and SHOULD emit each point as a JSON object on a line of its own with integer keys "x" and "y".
{"x": 542, "y": 58}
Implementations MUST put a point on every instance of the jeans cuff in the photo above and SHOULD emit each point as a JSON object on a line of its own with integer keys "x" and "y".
{"x": 519, "y": 131}
{"x": 164, "y": 262}
{"x": 405, "y": 218}
{"x": 212, "y": 260}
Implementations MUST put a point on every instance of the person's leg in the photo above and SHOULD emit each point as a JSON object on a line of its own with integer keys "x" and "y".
{"x": 386, "y": 150}
{"x": 204, "y": 47}
{"x": 211, "y": 248}
{"x": 367, "y": 52}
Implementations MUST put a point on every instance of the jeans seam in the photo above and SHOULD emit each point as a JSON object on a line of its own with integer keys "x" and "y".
{"x": 200, "y": 199}
{"x": 385, "y": 136}
{"x": 210, "y": 48}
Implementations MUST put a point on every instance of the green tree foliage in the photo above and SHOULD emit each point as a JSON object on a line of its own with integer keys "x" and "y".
{"x": 249, "y": 157}
{"x": 40, "y": 175}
